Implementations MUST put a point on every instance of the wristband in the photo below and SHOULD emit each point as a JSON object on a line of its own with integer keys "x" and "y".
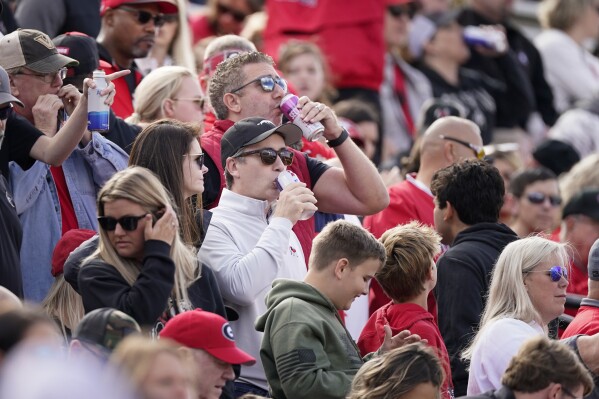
{"x": 339, "y": 140}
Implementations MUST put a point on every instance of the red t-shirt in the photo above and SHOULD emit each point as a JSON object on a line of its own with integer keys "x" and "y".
{"x": 67, "y": 211}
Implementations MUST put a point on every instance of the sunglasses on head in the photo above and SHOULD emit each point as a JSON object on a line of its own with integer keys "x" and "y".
{"x": 5, "y": 111}
{"x": 406, "y": 9}
{"x": 237, "y": 15}
{"x": 143, "y": 17}
{"x": 556, "y": 273}
{"x": 539, "y": 198}
{"x": 268, "y": 83}
{"x": 212, "y": 62}
{"x": 479, "y": 151}
{"x": 199, "y": 159}
{"x": 269, "y": 155}
{"x": 128, "y": 223}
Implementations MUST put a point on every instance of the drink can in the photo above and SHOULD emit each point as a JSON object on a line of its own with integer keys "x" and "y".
{"x": 311, "y": 131}
{"x": 98, "y": 113}
{"x": 489, "y": 38}
{"x": 285, "y": 178}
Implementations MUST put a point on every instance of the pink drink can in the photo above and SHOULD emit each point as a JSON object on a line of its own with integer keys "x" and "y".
{"x": 285, "y": 178}
{"x": 311, "y": 131}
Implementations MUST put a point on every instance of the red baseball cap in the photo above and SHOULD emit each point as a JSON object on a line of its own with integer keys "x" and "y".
{"x": 165, "y": 6}
{"x": 207, "y": 331}
{"x": 69, "y": 242}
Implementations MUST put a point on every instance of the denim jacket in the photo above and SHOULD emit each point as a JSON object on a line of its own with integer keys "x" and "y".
{"x": 36, "y": 199}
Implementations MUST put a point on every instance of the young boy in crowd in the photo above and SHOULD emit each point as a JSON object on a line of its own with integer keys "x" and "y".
{"x": 407, "y": 277}
{"x": 306, "y": 351}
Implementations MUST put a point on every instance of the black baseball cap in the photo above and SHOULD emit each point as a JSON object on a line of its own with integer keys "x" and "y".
{"x": 250, "y": 131}
{"x": 105, "y": 327}
{"x": 5, "y": 94}
{"x": 82, "y": 48}
{"x": 556, "y": 155}
{"x": 585, "y": 202}
{"x": 32, "y": 49}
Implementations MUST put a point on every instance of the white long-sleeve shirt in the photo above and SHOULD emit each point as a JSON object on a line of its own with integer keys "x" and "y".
{"x": 571, "y": 71}
{"x": 247, "y": 252}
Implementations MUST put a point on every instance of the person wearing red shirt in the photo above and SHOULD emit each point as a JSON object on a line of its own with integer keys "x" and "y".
{"x": 248, "y": 86}
{"x": 408, "y": 276}
{"x": 128, "y": 32}
{"x": 411, "y": 199}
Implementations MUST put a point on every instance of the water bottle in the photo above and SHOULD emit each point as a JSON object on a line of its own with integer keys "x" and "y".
{"x": 97, "y": 112}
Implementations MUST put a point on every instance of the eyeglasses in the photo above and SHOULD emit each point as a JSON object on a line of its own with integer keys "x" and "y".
{"x": 267, "y": 83}
{"x": 4, "y": 112}
{"x": 556, "y": 273}
{"x": 269, "y": 155}
{"x": 143, "y": 17}
{"x": 398, "y": 10}
{"x": 47, "y": 77}
{"x": 199, "y": 160}
{"x": 566, "y": 390}
{"x": 212, "y": 62}
{"x": 128, "y": 223}
{"x": 479, "y": 151}
{"x": 539, "y": 198}
{"x": 237, "y": 15}
{"x": 198, "y": 101}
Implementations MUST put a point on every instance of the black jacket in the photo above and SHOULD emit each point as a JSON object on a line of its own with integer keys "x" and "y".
{"x": 463, "y": 276}
{"x": 521, "y": 92}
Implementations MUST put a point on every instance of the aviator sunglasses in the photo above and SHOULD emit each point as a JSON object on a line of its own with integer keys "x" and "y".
{"x": 539, "y": 198}
{"x": 128, "y": 223}
{"x": 267, "y": 83}
{"x": 269, "y": 155}
{"x": 556, "y": 273}
{"x": 143, "y": 17}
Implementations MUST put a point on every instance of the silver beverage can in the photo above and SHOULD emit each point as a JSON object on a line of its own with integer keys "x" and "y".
{"x": 311, "y": 131}
{"x": 285, "y": 178}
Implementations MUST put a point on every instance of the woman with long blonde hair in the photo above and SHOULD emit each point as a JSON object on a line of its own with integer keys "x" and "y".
{"x": 141, "y": 266}
{"x": 527, "y": 291}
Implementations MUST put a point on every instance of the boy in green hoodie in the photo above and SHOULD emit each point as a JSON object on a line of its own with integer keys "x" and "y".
{"x": 306, "y": 350}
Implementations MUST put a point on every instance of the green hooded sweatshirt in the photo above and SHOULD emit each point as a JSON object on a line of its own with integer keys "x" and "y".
{"x": 306, "y": 350}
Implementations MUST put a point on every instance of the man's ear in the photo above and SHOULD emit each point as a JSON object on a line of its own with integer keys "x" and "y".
{"x": 108, "y": 18}
{"x": 232, "y": 102}
{"x": 14, "y": 90}
{"x": 341, "y": 268}
{"x": 231, "y": 166}
{"x": 449, "y": 211}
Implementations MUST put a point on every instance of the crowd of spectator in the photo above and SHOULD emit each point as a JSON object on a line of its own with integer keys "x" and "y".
{"x": 439, "y": 239}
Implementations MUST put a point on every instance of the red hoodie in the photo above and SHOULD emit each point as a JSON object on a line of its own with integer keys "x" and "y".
{"x": 406, "y": 316}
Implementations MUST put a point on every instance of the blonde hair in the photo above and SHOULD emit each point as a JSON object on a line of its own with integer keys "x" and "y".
{"x": 397, "y": 373}
{"x": 585, "y": 174}
{"x": 158, "y": 86}
{"x": 136, "y": 355}
{"x": 508, "y": 297}
{"x": 562, "y": 14}
{"x": 410, "y": 251}
{"x": 141, "y": 186}
{"x": 181, "y": 46}
{"x": 64, "y": 304}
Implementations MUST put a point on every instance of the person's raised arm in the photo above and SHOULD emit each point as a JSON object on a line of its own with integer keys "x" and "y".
{"x": 54, "y": 150}
{"x": 355, "y": 189}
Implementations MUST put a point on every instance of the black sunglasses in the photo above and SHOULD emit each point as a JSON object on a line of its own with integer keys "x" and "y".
{"x": 398, "y": 10}
{"x": 556, "y": 273}
{"x": 539, "y": 198}
{"x": 199, "y": 160}
{"x": 479, "y": 151}
{"x": 143, "y": 17}
{"x": 4, "y": 112}
{"x": 267, "y": 83}
{"x": 128, "y": 223}
{"x": 237, "y": 15}
{"x": 269, "y": 155}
